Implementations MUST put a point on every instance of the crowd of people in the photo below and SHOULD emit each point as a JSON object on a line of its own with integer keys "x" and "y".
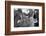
{"x": 21, "y": 19}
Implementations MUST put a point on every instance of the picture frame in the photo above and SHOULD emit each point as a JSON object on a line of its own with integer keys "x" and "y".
{"x": 8, "y": 17}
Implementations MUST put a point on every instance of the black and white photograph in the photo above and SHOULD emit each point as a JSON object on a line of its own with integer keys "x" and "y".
{"x": 24, "y": 17}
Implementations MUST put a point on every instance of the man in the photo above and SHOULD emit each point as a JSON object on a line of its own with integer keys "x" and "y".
{"x": 17, "y": 17}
